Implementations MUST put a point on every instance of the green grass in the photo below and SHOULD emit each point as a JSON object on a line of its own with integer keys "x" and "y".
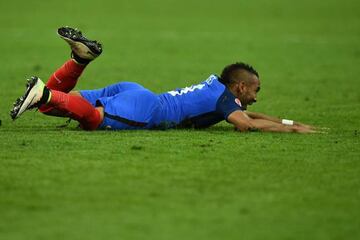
{"x": 64, "y": 183}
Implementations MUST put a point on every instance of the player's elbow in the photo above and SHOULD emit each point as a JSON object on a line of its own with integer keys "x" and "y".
{"x": 246, "y": 127}
{"x": 241, "y": 128}
{"x": 242, "y": 121}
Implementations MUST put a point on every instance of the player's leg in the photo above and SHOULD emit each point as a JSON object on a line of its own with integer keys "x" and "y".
{"x": 108, "y": 91}
{"x": 83, "y": 51}
{"x": 129, "y": 110}
{"x": 75, "y": 107}
{"x": 65, "y": 78}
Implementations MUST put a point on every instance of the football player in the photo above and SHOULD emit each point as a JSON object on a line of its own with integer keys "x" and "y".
{"x": 127, "y": 105}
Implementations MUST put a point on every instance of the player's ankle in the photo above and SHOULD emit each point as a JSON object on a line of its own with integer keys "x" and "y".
{"x": 46, "y": 97}
{"x": 79, "y": 60}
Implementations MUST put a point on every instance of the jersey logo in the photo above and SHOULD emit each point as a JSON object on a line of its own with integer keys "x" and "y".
{"x": 211, "y": 79}
{"x": 237, "y": 101}
{"x": 186, "y": 90}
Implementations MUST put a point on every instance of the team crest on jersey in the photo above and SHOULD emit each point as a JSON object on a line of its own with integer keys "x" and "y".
{"x": 237, "y": 101}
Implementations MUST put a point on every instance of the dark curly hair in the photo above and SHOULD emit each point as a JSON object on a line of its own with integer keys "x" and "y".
{"x": 230, "y": 73}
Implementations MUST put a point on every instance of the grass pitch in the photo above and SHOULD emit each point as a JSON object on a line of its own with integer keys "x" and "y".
{"x": 64, "y": 183}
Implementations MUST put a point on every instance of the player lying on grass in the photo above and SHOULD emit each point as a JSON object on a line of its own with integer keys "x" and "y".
{"x": 127, "y": 105}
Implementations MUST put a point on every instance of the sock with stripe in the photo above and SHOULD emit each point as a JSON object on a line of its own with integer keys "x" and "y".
{"x": 65, "y": 78}
{"x": 75, "y": 107}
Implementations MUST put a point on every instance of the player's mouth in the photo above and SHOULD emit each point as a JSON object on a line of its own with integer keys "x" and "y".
{"x": 251, "y": 102}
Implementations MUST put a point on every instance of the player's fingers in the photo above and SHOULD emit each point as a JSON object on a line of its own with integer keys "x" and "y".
{"x": 312, "y": 131}
{"x": 317, "y": 128}
{"x": 311, "y": 127}
{"x": 315, "y": 131}
{"x": 302, "y": 129}
{"x": 309, "y": 130}
{"x": 306, "y": 126}
{"x": 321, "y": 129}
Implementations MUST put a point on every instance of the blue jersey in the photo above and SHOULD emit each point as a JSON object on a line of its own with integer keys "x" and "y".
{"x": 130, "y": 106}
{"x": 198, "y": 106}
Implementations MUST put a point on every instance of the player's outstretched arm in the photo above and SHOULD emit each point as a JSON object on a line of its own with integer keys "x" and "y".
{"x": 256, "y": 115}
{"x": 243, "y": 122}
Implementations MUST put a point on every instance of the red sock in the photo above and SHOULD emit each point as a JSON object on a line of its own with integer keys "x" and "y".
{"x": 77, "y": 108}
{"x": 65, "y": 78}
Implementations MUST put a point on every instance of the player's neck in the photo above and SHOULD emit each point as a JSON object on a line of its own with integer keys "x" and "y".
{"x": 233, "y": 91}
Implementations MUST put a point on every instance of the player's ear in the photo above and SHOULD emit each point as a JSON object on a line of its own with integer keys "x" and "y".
{"x": 241, "y": 86}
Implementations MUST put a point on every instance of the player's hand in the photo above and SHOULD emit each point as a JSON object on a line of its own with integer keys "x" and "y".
{"x": 299, "y": 124}
{"x": 303, "y": 129}
{"x": 310, "y": 127}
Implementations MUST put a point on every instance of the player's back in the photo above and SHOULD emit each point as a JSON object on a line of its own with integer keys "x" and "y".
{"x": 197, "y": 106}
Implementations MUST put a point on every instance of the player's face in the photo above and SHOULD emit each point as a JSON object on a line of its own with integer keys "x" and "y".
{"x": 249, "y": 92}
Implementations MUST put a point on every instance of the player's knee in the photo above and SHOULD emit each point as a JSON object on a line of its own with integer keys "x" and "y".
{"x": 75, "y": 93}
{"x": 93, "y": 120}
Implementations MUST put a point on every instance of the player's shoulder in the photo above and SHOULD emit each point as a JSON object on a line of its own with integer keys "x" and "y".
{"x": 213, "y": 83}
{"x": 222, "y": 95}
{"x": 227, "y": 100}
{"x": 212, "y": 79}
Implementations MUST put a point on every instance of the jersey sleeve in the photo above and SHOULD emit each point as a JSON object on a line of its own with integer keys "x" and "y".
{"x": 227, "y": 104}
